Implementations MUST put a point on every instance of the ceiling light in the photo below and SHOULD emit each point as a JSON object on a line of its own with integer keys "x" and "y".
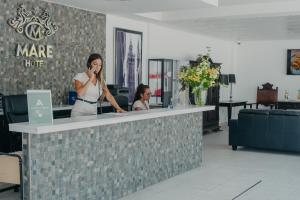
{"x": 117, "y": 0}
{"x": 152, "y": 15}
{"x": 212, "y": 2}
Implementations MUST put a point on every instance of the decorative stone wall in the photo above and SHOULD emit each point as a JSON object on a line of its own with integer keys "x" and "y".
{"x": 79, "y": 34}
{"x": 111, "y": 161}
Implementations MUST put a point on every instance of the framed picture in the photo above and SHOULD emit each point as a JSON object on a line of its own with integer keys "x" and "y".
{"x": 293, "y": 61}
{"x": 128, "y": 59}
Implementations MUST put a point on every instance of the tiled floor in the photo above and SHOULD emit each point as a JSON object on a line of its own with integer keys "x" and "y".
{"x": 8, "y": 195}
{"x": 225, "y": 173}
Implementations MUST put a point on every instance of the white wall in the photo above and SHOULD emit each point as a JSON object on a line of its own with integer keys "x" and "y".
{"x": 258, "y": 62}
{"x": 113, "y": 22}
{"x": 264, "y": 61}
{"x": 254, "y": 63}
{"x": 162, "y": 42}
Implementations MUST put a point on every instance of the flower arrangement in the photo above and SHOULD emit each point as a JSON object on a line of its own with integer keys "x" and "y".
{"x": 200, "y": 77}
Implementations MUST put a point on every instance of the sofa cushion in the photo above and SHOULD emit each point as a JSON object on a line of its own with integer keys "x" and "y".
{"x": 255, "y": 111}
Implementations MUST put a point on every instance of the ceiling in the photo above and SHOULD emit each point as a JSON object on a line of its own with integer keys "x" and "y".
{"x": 235, "y": 20}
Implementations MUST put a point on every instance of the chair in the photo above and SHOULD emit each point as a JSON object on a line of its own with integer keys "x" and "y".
{"x": 122, "y": 102}
{"x": 15, "y": 110}
{"x": 1, "y": 97}
{"x": 267, "y": 96}
{"x": 11, "y": 171}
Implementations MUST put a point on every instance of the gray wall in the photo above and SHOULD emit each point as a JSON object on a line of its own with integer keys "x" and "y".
{"x": 79, "y": 34}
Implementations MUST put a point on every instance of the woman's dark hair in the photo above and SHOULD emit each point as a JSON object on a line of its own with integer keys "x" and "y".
{"x": 139, "y": 91}
{"x": 92, "y": 57}
{"x": 100, "y": 76}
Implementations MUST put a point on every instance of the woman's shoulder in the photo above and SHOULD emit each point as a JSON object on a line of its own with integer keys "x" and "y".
{"x": 80, "y": 77}
{"x": 137, "y": 103}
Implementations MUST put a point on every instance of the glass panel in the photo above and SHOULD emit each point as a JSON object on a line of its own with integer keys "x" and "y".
{"x": 168, "y": 76}
{"x": 155, "y": 67}
{"x": 175, "y": 86}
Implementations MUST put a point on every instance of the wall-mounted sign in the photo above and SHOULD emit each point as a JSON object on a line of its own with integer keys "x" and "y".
{"x": 39, "y": 106}
{"x": 36, "y": 25}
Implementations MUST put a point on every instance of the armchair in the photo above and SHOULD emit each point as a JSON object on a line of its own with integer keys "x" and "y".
{"x": 15, "y": 110}
{"x": 267, "y": 96}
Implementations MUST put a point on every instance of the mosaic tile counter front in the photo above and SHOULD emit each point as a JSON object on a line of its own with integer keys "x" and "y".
{"x": 112, "y": 161}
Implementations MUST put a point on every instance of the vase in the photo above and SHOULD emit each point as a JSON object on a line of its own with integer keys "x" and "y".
{"x": 183, "y": 99}
{"x": 200, "y": 96}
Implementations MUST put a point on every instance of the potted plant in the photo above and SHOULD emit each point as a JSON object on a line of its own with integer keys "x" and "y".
{"x": 199, "y": 78}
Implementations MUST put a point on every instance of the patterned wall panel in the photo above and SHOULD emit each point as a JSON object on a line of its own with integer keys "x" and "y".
{"x": 79, "y": 33}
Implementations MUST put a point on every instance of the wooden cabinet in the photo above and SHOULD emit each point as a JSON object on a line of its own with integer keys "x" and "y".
{"x": 210, "y": 118}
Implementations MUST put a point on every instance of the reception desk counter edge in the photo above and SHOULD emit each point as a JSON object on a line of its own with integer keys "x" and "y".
{"x": 110, "y": 155}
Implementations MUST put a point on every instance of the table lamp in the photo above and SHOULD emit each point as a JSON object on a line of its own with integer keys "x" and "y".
{"x": 231, "y": 79}
{"x": 224, "y": 79}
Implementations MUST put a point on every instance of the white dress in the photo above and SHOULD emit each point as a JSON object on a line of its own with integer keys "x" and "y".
{"x": 92, "y": 94}
{"x": 139, "y": 104}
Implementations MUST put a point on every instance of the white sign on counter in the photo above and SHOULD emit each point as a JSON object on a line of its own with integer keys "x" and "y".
{"x": 39, "y": 107}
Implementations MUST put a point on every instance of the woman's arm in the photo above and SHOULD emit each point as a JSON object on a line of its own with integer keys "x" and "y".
{"x": 111, "y": 99}
{"x": 81, "y": 88}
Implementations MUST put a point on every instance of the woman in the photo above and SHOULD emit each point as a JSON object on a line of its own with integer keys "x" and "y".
{"x": 89, "y": 86}
{"x": 141, "y": 98}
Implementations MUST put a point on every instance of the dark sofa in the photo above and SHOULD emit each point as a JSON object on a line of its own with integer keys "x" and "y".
{"x": 266, "y": 129}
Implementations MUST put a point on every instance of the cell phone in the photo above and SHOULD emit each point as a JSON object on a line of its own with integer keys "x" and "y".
{"x": 90, "y": 67}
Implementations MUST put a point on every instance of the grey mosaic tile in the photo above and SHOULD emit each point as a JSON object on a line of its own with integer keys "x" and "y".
{"x": 110, "y": 162}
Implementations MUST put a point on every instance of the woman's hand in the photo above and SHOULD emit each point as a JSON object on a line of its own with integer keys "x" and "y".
{"x": 112, "y": 100}
{"x": 91, "y": 74}
{"x": 120, "y": 110}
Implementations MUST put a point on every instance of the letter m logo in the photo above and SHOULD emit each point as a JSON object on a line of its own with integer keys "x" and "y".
{"x": 34, "y": 31}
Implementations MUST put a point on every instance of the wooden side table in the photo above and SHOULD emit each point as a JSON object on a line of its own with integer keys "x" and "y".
{"x": 230, "y": 105}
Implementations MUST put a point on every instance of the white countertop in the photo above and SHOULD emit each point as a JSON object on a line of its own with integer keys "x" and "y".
{"x": 103, "y": 119}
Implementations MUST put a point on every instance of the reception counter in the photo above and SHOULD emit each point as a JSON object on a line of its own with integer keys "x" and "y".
{"x": 110, "y": 155}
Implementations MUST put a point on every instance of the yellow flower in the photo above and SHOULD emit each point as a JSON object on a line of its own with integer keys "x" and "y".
{"x": 201, "y": 75}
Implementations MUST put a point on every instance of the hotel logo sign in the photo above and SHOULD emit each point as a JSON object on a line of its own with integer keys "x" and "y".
{"x": 35, "y": 24}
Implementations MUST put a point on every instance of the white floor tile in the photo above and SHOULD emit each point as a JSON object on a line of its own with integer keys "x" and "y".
{"x": 225, "y": 173}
